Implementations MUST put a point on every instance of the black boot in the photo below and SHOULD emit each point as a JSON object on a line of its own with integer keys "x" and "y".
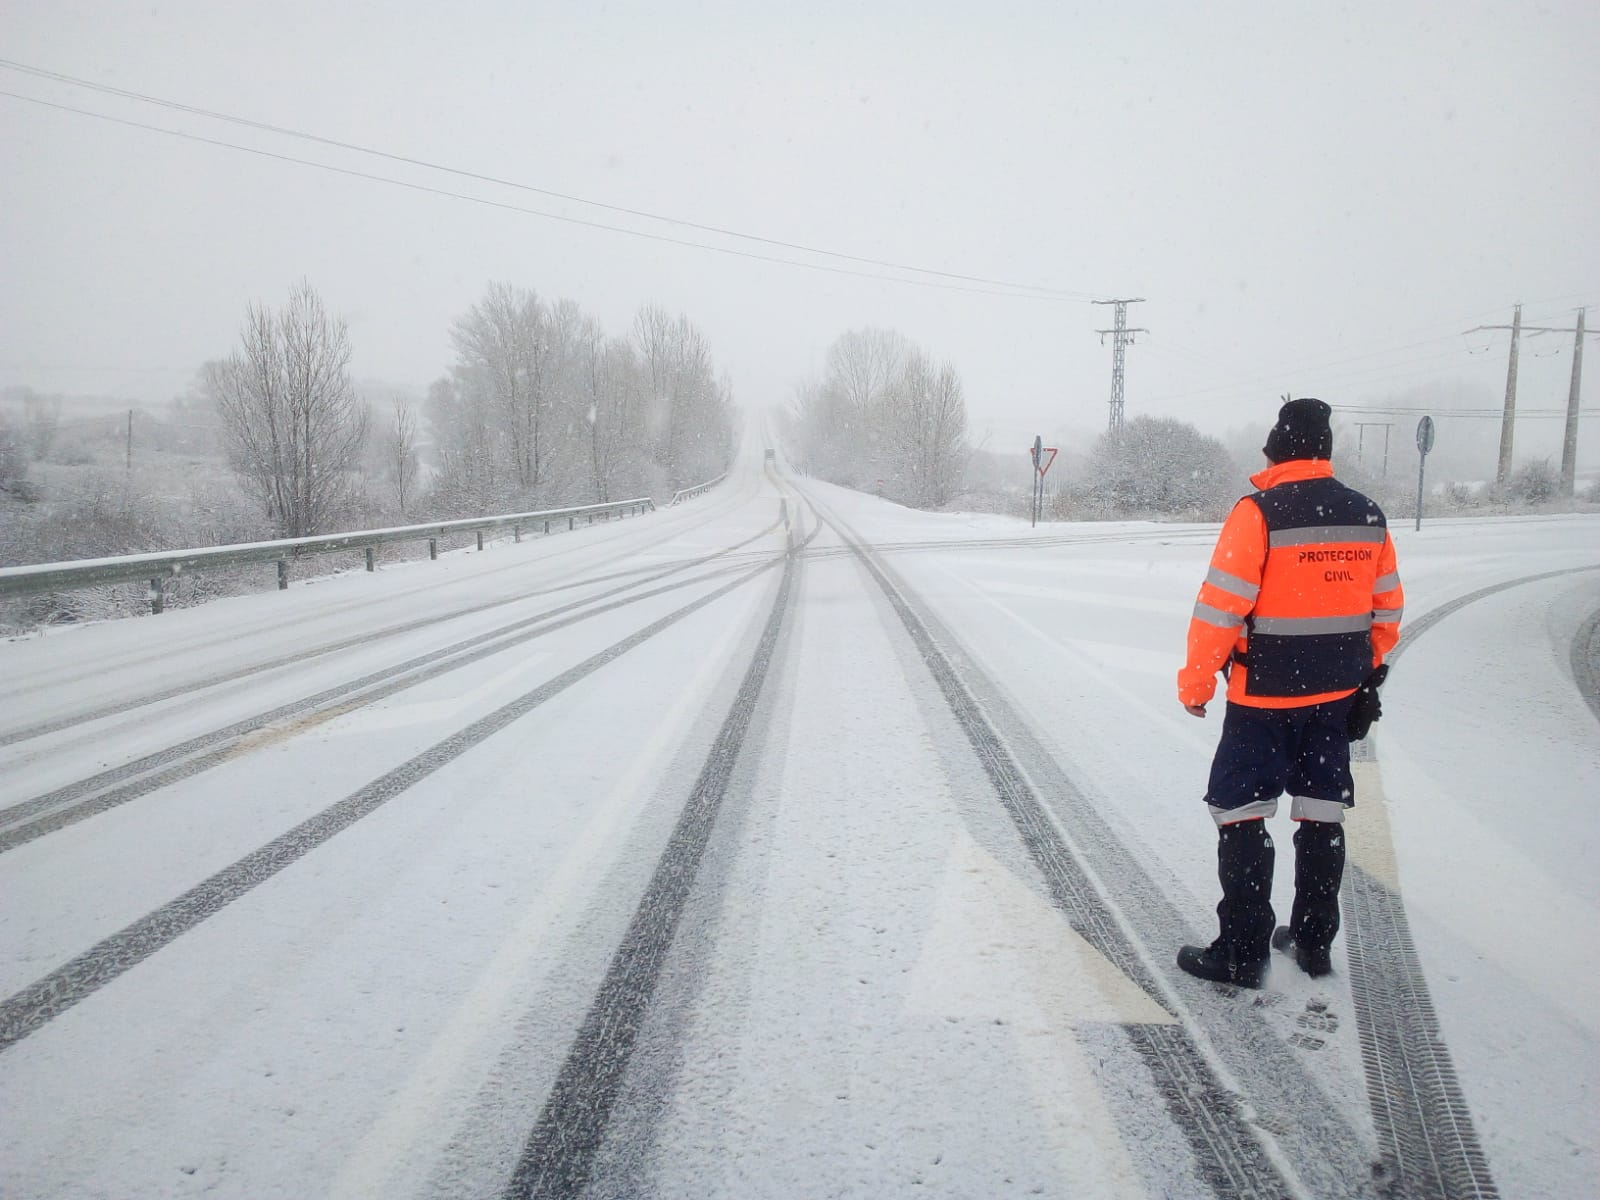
{"x": 1219, "y": 963}
{"x": 1318, "y": 872}
{"x": 1314, "y": 963}
{"x": 1244, "y": 866}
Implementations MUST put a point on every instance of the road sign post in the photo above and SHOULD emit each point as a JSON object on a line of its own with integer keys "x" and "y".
{"x": 1424, "y": 444}
{"x": 1043, "y": 456}
{"x": 1038, "y": 484}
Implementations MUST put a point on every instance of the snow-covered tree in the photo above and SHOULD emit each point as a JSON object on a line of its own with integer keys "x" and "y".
{"x": 400, "y": 454}
{"x": 932, "y": 437}
{"x": 1157, "y": 465}
{"x": 883, "y": 416}
{"x": 613, "y": 398}
{"x": 689, "y": 413}
{"x": 542, "y": 407}
{"x": 294, "y": 425}
{"x": 503, "y": 369}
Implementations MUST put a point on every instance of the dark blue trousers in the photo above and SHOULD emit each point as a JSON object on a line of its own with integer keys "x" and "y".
{"x": 1265, "y": 752}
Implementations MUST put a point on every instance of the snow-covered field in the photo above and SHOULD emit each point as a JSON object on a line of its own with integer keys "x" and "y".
{"x": 659, "y": 860}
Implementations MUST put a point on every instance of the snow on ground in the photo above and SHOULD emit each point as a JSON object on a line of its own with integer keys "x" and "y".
{"x": 1489, "y": 762}
{"x": 870, "y": 992}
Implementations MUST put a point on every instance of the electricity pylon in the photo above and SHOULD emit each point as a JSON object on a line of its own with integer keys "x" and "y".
{"x": 1121, "y": 336}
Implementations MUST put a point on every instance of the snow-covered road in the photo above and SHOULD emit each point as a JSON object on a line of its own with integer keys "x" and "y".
{"x": 782, "y": 843}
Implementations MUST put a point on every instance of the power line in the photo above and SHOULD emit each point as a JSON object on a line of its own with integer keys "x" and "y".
{"x": 69, "y": 367}
{"x": 1325, "y": 374}
{"x": 1441, "y": 414}
{"x": 1327, "y": 365}
{"x": 1043, "y": 292}
{"x": 1163, "y": 345}
{"x": 517, "y": 208}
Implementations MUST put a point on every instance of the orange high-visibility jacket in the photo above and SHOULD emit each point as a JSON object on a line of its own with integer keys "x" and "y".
{"x": 1303, "y": 597}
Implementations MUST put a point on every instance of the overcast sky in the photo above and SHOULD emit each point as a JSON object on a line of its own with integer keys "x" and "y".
{"x": 1316, "y": 199}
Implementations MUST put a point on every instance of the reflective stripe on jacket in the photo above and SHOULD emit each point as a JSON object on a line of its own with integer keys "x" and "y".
{"x": 1303, "y": 595}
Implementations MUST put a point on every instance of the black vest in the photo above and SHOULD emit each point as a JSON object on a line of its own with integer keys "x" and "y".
{"x": 1304, "y": 663}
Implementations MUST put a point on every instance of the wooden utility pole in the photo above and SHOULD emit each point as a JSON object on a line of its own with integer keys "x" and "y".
{"x": 1517, "y": 329}
{"x": 1361, "y": 442}
{"x": 130, "y": 440}
{"x": 1509, "y": 417}
{"x": 1569, "y": 443}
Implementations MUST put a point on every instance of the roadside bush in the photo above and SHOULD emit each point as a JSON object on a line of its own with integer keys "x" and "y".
{"x": 1158, "y": 467}
{"x": 1533, "y": 482}
{"x": 110, "y": 513}
{"x": 72, "y": 454}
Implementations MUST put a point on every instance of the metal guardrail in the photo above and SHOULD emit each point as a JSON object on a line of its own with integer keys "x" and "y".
{"x": 163, "y": 564}
{"x": 690, "y": 492}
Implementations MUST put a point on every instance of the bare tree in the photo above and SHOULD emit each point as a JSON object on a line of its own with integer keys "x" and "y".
{"x": 864, "y": 363}
{"x": 294, "y": 426}
{"x": 611, "y": 395}
{"x": 932, "y": 437}
{"x": 400, "y": 453}
{"x": 884, "y": 414}
{"x": 470, "y": 480}
{"x": 542, "y": 405}
{"x": 652, "y": 334}
{"x": 503, "y": 363}
{"x": 690, "y": 412}
{"x": 568, "y": 333}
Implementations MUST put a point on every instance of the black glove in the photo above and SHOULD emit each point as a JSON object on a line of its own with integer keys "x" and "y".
{"x": 1366, "y": 709}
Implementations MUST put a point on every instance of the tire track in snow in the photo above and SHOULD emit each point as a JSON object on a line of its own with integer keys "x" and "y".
{"x": 1586, "y": 662}
{"x": 31, "y": 819}
{"x": 232, "y": 676}
{"x": 39, "y": 1003}
{"x": 1426, "y": 1136}
{"x": 672, "y": 519}
{"x": 559, "y": 1154}
{"x": 1164, "y": 537}
{"x": 1228, "y": 1154}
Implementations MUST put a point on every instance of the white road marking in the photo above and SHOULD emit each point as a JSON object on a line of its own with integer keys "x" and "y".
{"x": 501, "y": 990}
{"x": 999, "y": 951}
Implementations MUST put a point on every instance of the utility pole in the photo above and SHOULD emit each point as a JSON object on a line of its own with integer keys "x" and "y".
{"x": 1361, "y": 439}
{"x": 1510, "y": 415}
{"x": 130, "y": 440}
{"x": 1507, "y": 419}
{"x": 1569, "y": 446}
{"x": 1569, "y": 443}
{"x": 1121, "y": 336}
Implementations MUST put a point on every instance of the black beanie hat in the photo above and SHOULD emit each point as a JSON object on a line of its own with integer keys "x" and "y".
{"x": 1302, "y": 431}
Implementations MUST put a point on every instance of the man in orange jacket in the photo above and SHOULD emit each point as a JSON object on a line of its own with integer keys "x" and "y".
{"x": 1300, "y": 606}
